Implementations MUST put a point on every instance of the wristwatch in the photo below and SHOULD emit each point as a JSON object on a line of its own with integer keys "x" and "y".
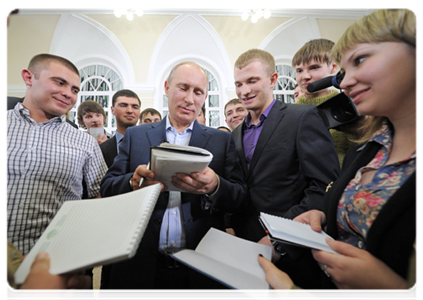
{"x": 130, "y": 182}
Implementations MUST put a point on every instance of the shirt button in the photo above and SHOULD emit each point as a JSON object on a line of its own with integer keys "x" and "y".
{"x": 173, "y": 212}
{"x": 360, "y": 244}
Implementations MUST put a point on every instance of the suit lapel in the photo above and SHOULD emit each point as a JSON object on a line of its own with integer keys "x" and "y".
{"x": 238, "y": 135}
{"x": 275, "y": 116}
{"x": 157, "y": 134}
{"x": 112, "y": 151}
{"x": 199, "y": 137}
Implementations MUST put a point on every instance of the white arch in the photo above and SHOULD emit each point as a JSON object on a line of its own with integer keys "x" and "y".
{"x": 198, "y": 41}
{"x": 285, "y": 40}
{"x": 85, "y": 42}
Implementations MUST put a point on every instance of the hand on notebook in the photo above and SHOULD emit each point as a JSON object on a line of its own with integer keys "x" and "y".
{"x": 266, "y": 241}
{"x": 40, "y": 278}
{"x": 146, "y": 176}
{"x": 197, "y": 183}
{"x": 355, "y": 268}
{"x": 275, "y": 277}
{"x": 315, "y": 218}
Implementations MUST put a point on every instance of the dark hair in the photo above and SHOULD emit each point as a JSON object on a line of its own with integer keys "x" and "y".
{"x": 40, "y": 62}
{"x": 87, "y": 107}
{"x": 224, "y": 128}
{"x": 150, "y": 111}
{"x": 125, "y": 93}
{"x": 203, "y": 109}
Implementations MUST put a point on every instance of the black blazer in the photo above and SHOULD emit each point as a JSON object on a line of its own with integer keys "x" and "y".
{"x": 109, "y": 150}
{"x": 393, "y": 233}
{"x": 293, "y": 163}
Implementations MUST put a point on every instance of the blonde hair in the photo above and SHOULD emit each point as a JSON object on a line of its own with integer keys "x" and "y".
{"x": 384, "y": 25}
{"x": 251, "y": 55}
{"x": 318, "y": 50}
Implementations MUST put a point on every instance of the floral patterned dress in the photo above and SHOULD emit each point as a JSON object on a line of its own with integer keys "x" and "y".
{"x": 360, "y": 204}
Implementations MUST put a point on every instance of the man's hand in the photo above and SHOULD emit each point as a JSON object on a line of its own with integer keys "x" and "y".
{"x": 275, "y": 277}
{"x": 101, "y": 138}
{"x": 315, "y": 218}
{"x": 266, "y": 241}
{"x": 354, "y": 268}
{"x": 40, "y": 278}
{"x": 142, "y": 173}
{"x": 197, "y": 183}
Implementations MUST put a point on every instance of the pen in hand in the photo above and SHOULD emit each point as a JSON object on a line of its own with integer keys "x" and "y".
{"x": 142, "y": 178}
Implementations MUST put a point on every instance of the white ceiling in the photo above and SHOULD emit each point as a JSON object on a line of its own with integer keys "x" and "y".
{"x": 327, "y": 13}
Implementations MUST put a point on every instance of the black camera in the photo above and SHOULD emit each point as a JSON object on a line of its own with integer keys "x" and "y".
{"x": 338, "y": 110}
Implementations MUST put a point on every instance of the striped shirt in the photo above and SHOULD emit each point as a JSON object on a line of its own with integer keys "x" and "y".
{"x": 46, "y": 165}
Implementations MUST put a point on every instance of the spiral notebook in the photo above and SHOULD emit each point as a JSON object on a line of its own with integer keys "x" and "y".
{"x": 89, "y": 233}
{"x": 286, "y": 231}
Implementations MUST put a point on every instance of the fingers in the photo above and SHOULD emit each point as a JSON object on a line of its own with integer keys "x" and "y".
{"x": 146, "y": 176}
{"x": 266, "y": 264}
{"x": 41, "y": 262}
{"x": 79, "y": 282}
{"x": 345, "y": 248}
{"x": 101, "y": 138}
{"x": 197, "y": 183}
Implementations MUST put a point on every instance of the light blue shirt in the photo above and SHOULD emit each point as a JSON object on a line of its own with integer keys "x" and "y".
{"x": 119, "y": 136}
{"x": 172, "y": 233}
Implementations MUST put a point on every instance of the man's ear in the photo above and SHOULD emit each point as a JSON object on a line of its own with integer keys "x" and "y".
{"x": 273, "y": 79}
{"x": 333, "y": 68}
{"x": 27, "y": 77}
{"x": 113, "y": 110}
{"x": 166, "y": 85}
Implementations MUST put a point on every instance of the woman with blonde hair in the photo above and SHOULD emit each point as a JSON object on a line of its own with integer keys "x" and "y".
{"x": 370, "y": 210}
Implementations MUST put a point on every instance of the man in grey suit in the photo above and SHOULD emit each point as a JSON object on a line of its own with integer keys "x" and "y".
{"x": 126, "y": 108}
{"x": 286, "y": 152}
{"x": 179, "y": 220}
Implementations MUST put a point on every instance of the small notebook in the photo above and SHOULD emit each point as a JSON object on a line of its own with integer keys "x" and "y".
{"x": 227, "y": 259}
{"x": 286, "y": 231}
{"x": 89, "y": 233}
{"x": 168, "y": 159}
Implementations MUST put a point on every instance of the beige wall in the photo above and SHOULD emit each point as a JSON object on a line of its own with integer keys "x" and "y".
{"x": 239, "y": 36}
{"x": 138, "y": 37}
{"x": 333, "y": 29}
{"x": 27, "y": 36}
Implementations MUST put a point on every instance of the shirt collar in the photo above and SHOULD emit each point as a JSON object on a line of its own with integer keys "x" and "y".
{"x": 22, "y": 112}
{"x": 263, "y": 116}
{"x": 169, "y": 127}
{"x": 119, "y": 136}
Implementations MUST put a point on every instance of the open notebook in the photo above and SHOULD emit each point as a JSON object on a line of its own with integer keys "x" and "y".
{"x": 89, "y": 233}
{"x": 227, "y": 259}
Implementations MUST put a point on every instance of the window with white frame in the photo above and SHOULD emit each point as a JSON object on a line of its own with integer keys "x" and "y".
{"x": 212, "y": 103}
{"x": 284, "y": 88}
{"x": 98, "y": 83}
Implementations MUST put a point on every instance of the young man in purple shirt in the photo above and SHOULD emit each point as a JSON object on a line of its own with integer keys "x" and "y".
{"x": 286, "y": 152}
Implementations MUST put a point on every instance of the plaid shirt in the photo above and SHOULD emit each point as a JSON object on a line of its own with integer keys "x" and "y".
{"x": 46, "y": 164}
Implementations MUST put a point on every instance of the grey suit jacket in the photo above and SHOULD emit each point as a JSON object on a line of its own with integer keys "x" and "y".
{"x": 293, "y": 163}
